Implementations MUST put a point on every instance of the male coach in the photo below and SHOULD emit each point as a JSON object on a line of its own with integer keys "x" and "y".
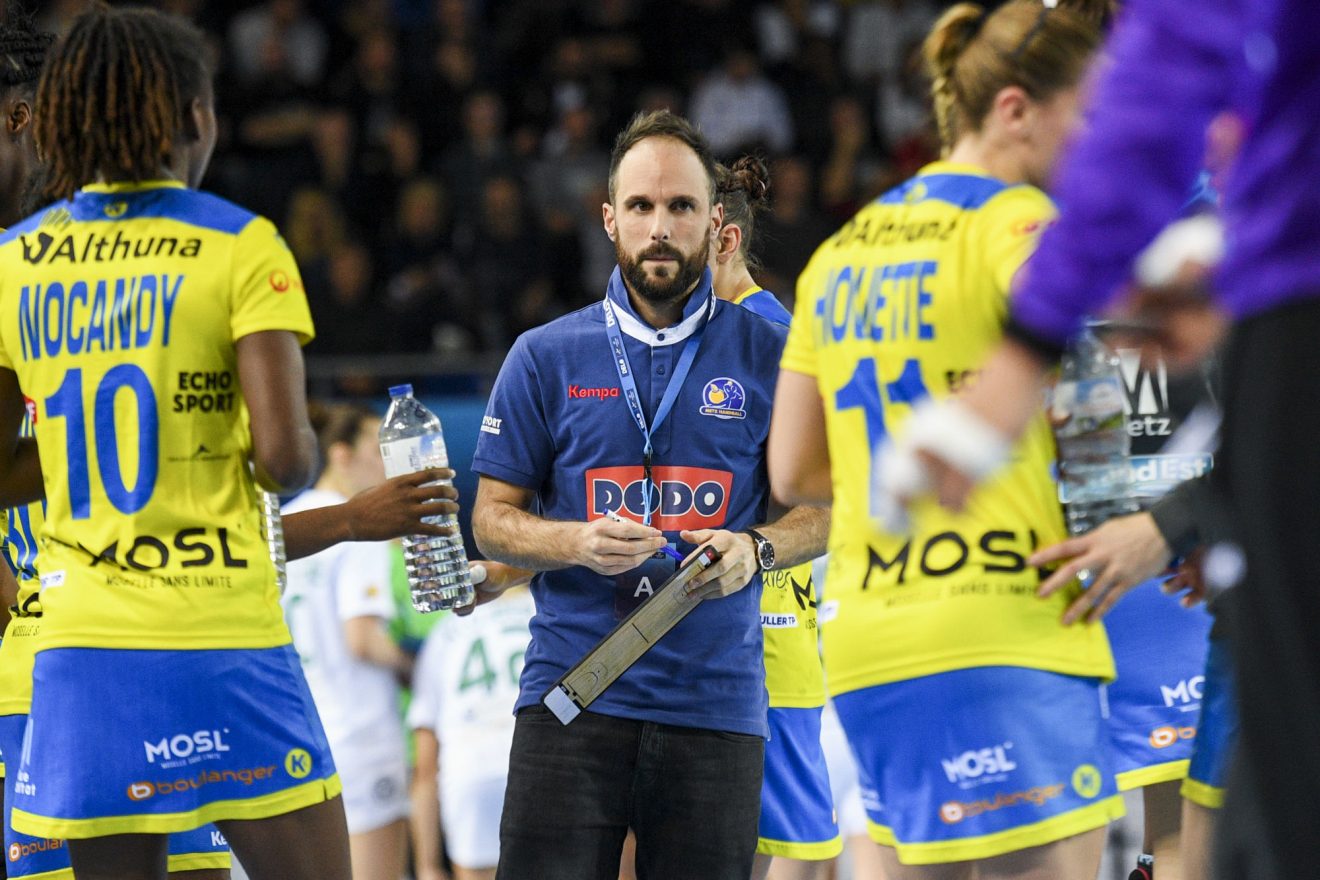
{"x": 653, "y": 404}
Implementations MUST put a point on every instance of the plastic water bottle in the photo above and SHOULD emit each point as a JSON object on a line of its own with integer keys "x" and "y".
{"x": 273, "y": 526}
{"x": 411, "y": 440}
{"x": 272, "y": 529}
{"x": 1095, "y": 481}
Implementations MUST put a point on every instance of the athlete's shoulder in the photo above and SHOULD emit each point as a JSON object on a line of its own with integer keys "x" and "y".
{"x": 56, "y": 214}
{"x": 566, "y": 329}
{"x": 202, "y": 209}
{"x": 766, "y": 305}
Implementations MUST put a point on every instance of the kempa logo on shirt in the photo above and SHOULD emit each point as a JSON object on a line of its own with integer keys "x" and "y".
{"x": 978, "y": 766}
{"x": 96, "y": 248}
{"x": 578, "y": 392}
{"x": 187, "y": 748}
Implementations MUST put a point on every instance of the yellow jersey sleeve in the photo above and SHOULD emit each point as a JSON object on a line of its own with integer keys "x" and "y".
{"x": 800, "y": 350}
{"x": 1011, "y": 225}
{"x": 268, "y": 289}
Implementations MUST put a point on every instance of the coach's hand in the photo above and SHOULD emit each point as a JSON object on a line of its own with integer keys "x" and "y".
{"x": 489, "y": 581}
{"x": 1119, "y": 555}
{"x": 609, "y": 547}
{"x": 735, "y": 570}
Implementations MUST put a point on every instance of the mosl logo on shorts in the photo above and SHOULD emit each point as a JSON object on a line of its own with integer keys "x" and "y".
{"x": 181, "y": 747}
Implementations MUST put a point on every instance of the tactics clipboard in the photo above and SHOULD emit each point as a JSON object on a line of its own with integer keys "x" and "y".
{"x": 627, "y": 642}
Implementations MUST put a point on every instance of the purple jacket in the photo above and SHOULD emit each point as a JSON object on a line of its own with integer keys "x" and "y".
{"x": 1174, "y": 66}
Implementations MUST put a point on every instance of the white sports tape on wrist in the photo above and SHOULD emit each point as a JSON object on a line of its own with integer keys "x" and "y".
{"x": 1198, "y": 239}
{"x": 950, "y": 431}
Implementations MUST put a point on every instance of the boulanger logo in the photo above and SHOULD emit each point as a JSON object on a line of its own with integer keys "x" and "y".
{"x": 1087, "y": 781}
{"x": 953, "y": 812}
{"x": 141, "y": 791}
{"x": 298, "y": 763}
{"x": 22, "y": 850}
{"x": 724, "y": 399}
{"x": 1167, "y": 735}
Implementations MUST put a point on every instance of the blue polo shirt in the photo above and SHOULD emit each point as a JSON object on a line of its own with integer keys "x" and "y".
{"x": 559, "y": 425}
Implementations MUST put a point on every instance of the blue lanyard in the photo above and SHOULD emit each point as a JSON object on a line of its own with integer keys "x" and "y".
{"x": 667, "y": 400}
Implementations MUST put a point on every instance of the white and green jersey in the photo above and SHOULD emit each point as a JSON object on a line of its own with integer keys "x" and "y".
{"x": 466, "y": 684}
{"x": 358, "y": 701}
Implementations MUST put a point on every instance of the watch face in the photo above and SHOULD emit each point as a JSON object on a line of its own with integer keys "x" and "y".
{"x": 766, "y": 552}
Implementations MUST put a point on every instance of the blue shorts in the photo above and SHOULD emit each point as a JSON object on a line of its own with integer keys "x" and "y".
{"x": 48, "y": 858}
{"x": 976, "y": 763}
{"x": 797, "y": 809}
{"x": 1159, "y": 651}
{"x": 1217, "y": 734}
{"x": 154, "y": 742}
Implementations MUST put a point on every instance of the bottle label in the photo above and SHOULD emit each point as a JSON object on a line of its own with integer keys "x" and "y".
{"x": 411, "y": 455}
{"x": 1086, "y": 405}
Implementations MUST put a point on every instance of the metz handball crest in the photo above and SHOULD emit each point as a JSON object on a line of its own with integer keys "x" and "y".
{"x": 724, "y": 398}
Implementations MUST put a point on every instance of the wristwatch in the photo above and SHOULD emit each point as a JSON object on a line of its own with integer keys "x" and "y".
{"x": 765, "y": 551}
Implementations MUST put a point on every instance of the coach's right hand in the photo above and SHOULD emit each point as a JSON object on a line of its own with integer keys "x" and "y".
{"x": 608, "y": 547}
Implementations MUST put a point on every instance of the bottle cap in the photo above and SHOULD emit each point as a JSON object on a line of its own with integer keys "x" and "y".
{"x": 401, "y": 390}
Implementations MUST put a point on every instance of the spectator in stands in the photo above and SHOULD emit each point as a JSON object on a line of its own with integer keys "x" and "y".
{"x": 502, "y": 258}
{"x": 739, "y": 109}
{"x": 792, "y": 229}
{"x": 482, "y": 153}
{"x": 284, "y": 24}
{"x": 878, "y": 33}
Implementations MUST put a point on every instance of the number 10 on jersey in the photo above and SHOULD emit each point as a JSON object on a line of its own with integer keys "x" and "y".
{"x": 67, "y": 403}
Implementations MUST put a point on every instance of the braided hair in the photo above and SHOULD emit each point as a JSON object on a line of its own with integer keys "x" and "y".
{"x": 23, "y": 51}
{"x": 744, "y": 190}
{"x": 113, "y": 100}
{"x": 972, "y": 53}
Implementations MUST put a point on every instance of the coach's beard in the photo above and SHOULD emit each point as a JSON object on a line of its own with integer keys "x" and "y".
{"x": 659, "y": 291}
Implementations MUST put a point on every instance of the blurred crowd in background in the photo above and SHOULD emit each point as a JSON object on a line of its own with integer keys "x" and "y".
{"x": 438, "y": 166}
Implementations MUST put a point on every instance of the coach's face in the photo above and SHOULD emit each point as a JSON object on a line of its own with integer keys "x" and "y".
{"x": 662, "y": 221}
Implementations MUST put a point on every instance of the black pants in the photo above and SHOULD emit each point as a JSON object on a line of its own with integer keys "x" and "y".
{"x": 1269, "y": 470}
{"x": 691, "y": 796}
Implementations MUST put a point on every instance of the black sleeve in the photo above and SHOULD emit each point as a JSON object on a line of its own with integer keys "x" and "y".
{"x": 1179, "y": 515}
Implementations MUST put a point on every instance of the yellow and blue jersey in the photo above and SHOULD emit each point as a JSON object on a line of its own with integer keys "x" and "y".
{"x": 793, "y": 674}
{"x": 18, "y": 647}
{"x": 905, "y": 301}
{"x": 120, "y": 310}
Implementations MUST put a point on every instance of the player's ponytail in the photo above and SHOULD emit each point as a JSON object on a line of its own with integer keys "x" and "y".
{"x": 744, "y": 190}
{"x": 972, "y": 54}
{"x": 952, "y": 34}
